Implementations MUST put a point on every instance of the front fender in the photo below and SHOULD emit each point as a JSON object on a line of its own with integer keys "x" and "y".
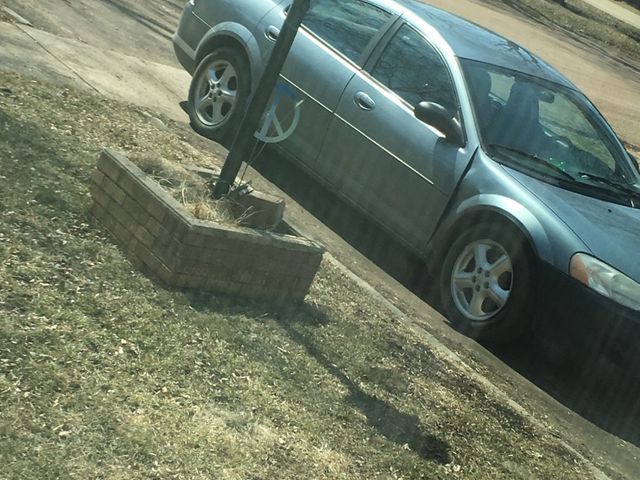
{"x": 512, "y": 211}
{"x": 242, "y": 35}
{"x": 489, "y": 190}
{"x": 551, "y": 240}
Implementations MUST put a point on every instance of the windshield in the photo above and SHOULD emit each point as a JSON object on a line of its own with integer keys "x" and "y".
{"x": 545, "y": 127}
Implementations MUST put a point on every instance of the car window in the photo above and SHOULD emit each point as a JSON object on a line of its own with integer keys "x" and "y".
{"x": 346, "y": 26}
{"x": 414, "y": 70}
{"x": 560, "y": 117}
{"x": 563, "y": 118}
{"x": 531, "y": 119}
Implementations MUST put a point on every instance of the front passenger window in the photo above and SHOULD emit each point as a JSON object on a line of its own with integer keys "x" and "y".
{"x": 414, "y": 70}
{"x": 346, "y": 26}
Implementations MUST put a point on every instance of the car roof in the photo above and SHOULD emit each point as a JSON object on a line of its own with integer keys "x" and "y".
{"x": 471, "y": 41}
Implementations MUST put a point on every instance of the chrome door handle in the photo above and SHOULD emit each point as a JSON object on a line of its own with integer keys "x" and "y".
{"x": 272, "y": 33}
{"x": 364, "y": 101}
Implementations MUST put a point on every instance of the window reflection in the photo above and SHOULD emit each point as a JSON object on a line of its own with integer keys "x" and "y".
{"x": 346, "y": 26}
{"x": 415, "y": 71}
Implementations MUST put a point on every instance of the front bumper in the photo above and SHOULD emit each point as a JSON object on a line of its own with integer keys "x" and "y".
{"x": 587, "y": 321}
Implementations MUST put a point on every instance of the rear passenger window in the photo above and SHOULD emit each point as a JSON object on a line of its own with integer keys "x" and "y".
{"x": 348, "y": 26}
{"x": 414, "y": 70}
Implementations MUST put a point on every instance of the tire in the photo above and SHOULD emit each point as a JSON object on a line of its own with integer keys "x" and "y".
{"x": 487, "y": 283}
{"x": 218, "y": 94}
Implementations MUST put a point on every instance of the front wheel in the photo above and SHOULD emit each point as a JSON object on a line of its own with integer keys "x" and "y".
{"x": 487, "y": 283}
{"x": 218, "y": 94}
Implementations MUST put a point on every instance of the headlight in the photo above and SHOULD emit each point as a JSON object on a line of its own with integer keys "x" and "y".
{"x": 606, "y": 280}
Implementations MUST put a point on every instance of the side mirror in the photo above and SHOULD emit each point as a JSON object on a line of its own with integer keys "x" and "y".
{"x": 440, "y": 118}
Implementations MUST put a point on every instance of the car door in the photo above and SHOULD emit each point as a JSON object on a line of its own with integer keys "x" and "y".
{"x": 334, "y": 40}
{"x": 399, "y": 170}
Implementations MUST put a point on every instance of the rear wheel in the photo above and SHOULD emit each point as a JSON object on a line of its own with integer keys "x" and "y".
{"x": 218, "y": 94}
{"x": 487, "y": 283}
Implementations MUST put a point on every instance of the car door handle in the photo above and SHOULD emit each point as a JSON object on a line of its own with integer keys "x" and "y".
{"x": 272, "y": 33}
{"x": 364, "y": 101}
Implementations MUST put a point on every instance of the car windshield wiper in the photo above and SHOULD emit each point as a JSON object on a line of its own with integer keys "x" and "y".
{"x": 620, "y": 187}
{"x": 535, "y": 158}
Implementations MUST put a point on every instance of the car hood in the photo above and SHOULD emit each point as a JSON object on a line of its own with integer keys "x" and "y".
{"x": 610, "y": 231}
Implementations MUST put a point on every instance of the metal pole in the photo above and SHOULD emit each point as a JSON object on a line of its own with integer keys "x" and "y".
{"x": 245, "y": 139}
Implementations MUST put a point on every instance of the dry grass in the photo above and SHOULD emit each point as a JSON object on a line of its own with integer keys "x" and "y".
{"x": 105, "y": 375}
{"x": 188, "y": 188}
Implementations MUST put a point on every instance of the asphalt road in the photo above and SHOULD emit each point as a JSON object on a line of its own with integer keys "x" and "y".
{"x": 599, "y": 415}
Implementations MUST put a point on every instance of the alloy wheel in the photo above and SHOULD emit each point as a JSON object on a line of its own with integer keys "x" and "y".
{"x": 482, "y": 280}
{"x": 217, "y": 93}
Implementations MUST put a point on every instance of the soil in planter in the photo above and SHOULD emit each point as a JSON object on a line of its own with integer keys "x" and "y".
{"x": 187, "y": 188}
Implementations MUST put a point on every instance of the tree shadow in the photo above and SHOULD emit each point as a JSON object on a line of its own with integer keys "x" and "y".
{"x": 164, "y": 30}
{"x": 398, "y": 427}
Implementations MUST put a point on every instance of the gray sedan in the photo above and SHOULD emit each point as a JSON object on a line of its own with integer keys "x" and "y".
{"x": 471, "y": 151}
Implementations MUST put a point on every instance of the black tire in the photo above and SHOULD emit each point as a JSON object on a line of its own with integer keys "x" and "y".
{"x": 498, "y": 324}
{"x": 221, "y": 124}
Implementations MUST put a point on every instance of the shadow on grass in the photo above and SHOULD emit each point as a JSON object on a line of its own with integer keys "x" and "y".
{"x": 38, "y": 158}
{"x": 396, "y": 426}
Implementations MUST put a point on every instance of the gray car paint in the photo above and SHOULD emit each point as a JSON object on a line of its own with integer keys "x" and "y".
{"x": 590, "y": 219}
{"x": 319, "y": 87}
{"x": 456, "y": 188}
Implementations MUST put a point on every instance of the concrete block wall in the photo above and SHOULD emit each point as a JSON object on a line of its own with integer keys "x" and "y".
{"x": 162, "y": 238}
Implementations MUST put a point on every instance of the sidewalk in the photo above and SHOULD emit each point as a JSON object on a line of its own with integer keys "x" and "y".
{"x": 621, "y": 13}
{"x": 112, "y": 74}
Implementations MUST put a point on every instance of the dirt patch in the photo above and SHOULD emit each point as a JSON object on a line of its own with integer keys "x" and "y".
{"x": 141, "y": 28}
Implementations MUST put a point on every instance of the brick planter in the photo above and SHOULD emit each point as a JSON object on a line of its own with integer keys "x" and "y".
{"x": 161, "y": 237}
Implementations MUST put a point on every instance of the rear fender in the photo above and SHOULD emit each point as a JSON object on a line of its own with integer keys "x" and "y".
{"x": 242, "y": 36}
